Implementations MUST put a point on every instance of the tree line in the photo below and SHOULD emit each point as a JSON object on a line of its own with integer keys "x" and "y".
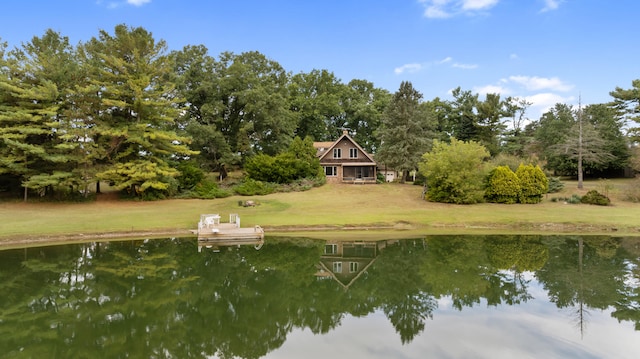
{"x": 123, "y": 109}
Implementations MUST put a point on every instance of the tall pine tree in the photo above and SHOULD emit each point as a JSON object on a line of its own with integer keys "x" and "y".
{"x": 405, "y": 131}
{"x": 138, "y": 108}
{"x": 27, "y": 121}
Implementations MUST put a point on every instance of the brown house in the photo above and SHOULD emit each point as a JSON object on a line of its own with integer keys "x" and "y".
{"x": 344, "y": 161}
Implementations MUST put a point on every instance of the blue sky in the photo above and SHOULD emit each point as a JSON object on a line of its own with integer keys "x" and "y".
{"x": 546, "y": 51}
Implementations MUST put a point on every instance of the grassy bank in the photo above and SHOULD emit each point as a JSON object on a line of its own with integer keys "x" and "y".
{"x": 387, "y": 207}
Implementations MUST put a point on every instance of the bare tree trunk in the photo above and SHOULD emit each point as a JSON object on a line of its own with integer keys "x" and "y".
{"x": 580, "y": 175}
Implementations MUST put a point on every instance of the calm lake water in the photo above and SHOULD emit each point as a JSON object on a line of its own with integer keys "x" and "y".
{"x": 429, "y": 297}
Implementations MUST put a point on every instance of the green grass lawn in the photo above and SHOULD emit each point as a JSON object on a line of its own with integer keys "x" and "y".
{"x": 365, "y": 207}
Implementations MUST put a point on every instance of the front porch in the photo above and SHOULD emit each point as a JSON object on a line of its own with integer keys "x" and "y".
{"x": 358, "y": 174}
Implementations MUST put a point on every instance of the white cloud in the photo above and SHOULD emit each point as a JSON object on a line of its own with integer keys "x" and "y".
{"x": 514, "y": 56}
{"x": 550, "y": 5}
{"x": 465, "y": 66}
{"x": 535, "y": 83}
{"x": 417, "y": 67}
{"x": 541, "y": 92}
{"x": 440, "y": 9}
{"x": 117, "y": 4}
{"x": 543, "y": 102}
{"x": 138, "y": 2}
{"x": 478, "y": 4}
{"x": 443, "y": 9}
{"x": 492, "y": 89}
{"x": 433, "y": 12}
{"x": 410, "y": 68}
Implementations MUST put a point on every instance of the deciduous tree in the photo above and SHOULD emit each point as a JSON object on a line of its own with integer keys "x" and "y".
{"x": 252, "y": 108}
{"x": 455, "y": 172}
{"x": 317, "y": 102}
{"x": 196, "y": 82}
{"x": 364, "y": 105}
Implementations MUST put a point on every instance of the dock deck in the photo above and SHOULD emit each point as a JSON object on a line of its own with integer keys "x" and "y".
{"x": 210, "y": 228}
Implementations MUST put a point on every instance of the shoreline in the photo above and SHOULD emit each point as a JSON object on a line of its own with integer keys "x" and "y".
{"x": 339, "y": 232}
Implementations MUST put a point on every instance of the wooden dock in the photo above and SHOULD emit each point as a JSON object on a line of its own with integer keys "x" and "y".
{"x": 210, "y": 228}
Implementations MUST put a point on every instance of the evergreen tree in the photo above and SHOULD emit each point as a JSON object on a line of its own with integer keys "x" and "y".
{"x": 533, "y": 183}
{"x": 27, "y": 121}
{"x": 461, "y": 117}
{"x": 138, "y": 107}
{"x": 627, "y": 101}
{"x": 57, "y": 61}
{"x": 405, "y": 131}
{"x": 503, "y": 186}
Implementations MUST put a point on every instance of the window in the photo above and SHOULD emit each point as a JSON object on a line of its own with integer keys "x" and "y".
{"x": 353, "y": 153}
{"x": 337, "y": 267}
{"x": 353, "y": 267}
{"x": 337, "y": 153}
{"x": 331, "y": 249}
{"x": 331, "y": 171}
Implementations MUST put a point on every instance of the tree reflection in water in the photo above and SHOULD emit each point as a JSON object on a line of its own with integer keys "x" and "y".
{"x": 161, "y": 298}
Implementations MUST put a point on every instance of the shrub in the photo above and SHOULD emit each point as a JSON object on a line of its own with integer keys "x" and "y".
{"x": 190, "y": 176}
{"x": 301, "y": 185}
{"x": 297, "y": 163}
{"x": 154, "y": 194}
{"x": 503, "y": 186}
{"x": 261, "y": 167}
{"x": 555, "y": 185}
{"x": 251, "y": 187}
{"x": 208, "y": 189}
{"x": 574, "y": 199}
{"x": 533, "y": 183}
{"x": 595, "y": 197}
{"x": 283, "y": 168}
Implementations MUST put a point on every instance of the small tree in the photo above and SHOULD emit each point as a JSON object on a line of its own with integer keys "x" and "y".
{"x": 503, "y": 186}
{"x": 455, "y": 172}
{"x": 533, "y": 183}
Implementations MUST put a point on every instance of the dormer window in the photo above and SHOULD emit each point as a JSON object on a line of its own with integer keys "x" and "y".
{"x": 353, "y": 153}
{"x": 337, "y": 153}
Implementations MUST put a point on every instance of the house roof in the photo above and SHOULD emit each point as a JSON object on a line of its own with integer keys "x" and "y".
{"x": 321, "y": 147}
{"x": 326, "y": 147}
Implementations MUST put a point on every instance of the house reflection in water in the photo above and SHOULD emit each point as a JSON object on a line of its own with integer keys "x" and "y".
{"x": 345, "y": 262}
